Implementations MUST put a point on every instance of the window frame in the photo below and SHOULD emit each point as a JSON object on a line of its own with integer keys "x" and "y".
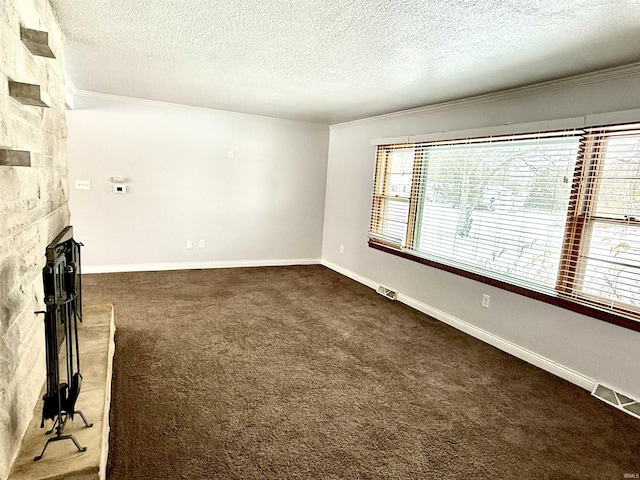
{"x": 580, "y": 217}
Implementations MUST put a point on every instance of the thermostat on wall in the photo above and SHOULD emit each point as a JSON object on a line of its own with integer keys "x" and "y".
{"x": 119, "y": 188}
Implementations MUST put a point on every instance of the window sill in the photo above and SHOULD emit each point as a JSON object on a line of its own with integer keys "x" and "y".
{"x": 558, "y": 301}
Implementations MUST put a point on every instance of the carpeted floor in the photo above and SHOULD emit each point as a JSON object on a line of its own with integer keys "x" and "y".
{"x": 301, "y": 373}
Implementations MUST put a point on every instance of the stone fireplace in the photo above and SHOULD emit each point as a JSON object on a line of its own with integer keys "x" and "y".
{"x": 33, "y": 202}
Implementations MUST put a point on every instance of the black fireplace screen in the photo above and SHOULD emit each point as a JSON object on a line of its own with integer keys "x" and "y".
{"x": 63, "y": 299}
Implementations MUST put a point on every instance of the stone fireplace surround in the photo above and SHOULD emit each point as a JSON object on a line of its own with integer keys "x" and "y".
{"x": 33, "y": 203}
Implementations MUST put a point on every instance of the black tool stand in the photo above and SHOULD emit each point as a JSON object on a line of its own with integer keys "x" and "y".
{"x": 59, "y": 425}
{"x": 63, "y": 297}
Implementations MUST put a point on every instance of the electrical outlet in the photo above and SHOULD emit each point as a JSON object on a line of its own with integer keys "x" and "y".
{"x": 189, "y": 244}
{"x": 485, "y": 300}
{"x": 202, "y": 243}
{"x": 341, "y": 248}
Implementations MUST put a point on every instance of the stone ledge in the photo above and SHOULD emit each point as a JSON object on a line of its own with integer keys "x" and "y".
{"x": 15, "y": 158}
{"x": 27, "y": 94}
{"x": 61, "y": 459}
{"x": 36, "y": 41}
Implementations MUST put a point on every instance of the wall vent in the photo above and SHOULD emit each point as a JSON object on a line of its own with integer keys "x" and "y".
{"x": 619, "y": 400}
{"x": 387, "y": 292}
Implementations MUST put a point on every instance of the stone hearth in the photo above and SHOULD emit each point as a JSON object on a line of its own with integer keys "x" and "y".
{"x": 61, "y": 459}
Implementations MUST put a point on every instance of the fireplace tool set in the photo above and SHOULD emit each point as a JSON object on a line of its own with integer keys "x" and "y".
{"x": 63, "y": 300}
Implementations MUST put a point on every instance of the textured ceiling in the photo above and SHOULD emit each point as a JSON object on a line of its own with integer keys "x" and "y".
{"x": 332, "y": 61}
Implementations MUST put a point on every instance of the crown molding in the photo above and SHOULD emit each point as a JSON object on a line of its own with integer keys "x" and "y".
{"x": 553, "y": 85}
{"x": 543, "y": 87}
{"x": 181, "y": 106}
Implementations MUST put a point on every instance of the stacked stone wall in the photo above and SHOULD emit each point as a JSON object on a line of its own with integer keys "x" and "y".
{"x": 33, "y": 209}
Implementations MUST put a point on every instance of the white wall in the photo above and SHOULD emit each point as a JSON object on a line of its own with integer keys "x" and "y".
{"x": 597, "y": 350}
{"x": 264, "y": 206}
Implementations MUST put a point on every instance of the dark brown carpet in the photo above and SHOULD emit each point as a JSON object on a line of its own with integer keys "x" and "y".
{"x": 301, "y": 373}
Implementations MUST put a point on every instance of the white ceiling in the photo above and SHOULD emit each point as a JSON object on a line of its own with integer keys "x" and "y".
{"x": 330, "y": 61}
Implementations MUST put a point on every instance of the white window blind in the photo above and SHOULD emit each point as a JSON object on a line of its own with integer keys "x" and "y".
{"x": 392, "y": 194}
{"x": 552, "y": 212}
{"x": 602, "y": 255}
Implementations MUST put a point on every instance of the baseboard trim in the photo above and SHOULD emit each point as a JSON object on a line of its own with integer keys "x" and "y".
{"x": 348, "y": 273}
{"x": 506, "y": 346}
{"x": 156, "y": 267}
{"x": 502, "y": 344}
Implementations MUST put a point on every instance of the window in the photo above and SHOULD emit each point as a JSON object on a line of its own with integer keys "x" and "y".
{"x": 552, "y": 215}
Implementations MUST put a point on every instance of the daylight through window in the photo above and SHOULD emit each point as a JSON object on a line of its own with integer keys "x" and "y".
{"x": 555, "y": 213}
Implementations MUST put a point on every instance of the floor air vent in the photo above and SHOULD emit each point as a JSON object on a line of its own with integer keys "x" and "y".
{"x": 387, "y": 292}
{"x": 617, "y": 399}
